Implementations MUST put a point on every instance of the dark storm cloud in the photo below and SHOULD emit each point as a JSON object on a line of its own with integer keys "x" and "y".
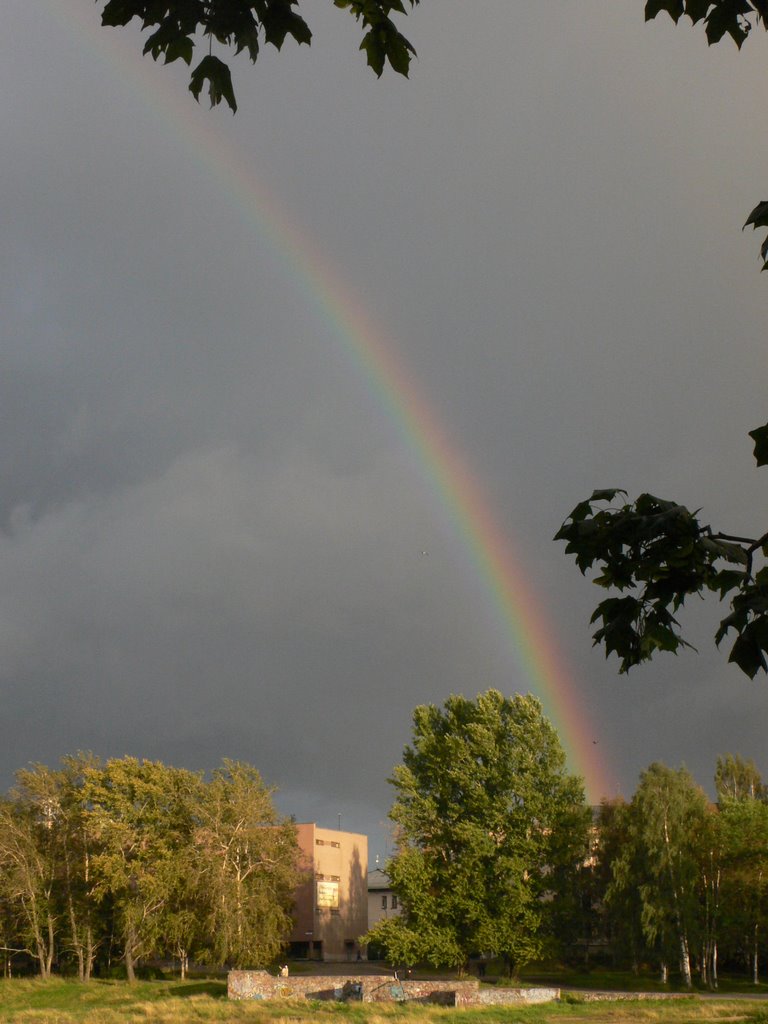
{"x": 212, "y": 531}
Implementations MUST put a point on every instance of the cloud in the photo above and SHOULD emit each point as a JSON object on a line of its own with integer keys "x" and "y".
{"x": 211, "y": 529}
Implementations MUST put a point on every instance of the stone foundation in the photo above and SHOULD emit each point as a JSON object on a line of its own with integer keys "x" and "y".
{"x": 380, "y": 988}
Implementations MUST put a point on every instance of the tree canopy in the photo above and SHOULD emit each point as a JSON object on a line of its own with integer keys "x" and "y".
{"x": 682, "y": 881}
{"x": 129, "y": 858}
{"x": 485, "y": 815}
{"x": 245, "y": 25}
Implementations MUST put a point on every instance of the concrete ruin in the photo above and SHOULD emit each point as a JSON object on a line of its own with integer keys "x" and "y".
{"x": 381, "y": 988}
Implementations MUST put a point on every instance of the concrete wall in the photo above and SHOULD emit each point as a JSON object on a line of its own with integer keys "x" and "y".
{"x": 372, "y": 988}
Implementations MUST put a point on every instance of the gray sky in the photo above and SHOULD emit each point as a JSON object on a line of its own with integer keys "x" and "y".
{"x": 212, "y": 528}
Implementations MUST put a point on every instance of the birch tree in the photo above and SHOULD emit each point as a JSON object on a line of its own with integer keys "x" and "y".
{"x": 667, "y": 818}
{"x": 27, "y": 880}
{"x": 247, "y": 868}
{"x": 745, "y": 878}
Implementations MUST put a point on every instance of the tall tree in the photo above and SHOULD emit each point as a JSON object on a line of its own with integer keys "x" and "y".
{"x": 140, "y": 826}
{"x": 487, "y": 821}
{"x": 744, "y": 828}
{"x": 54, "y": 797}
{"x": 247, "y": 866}
{"x": 660, "y": 860}
{"x": 246, "y": 25}
{"x": 28, "y": 877}
{"x": 618, "y": 870}
{"x": 737, "y": 779}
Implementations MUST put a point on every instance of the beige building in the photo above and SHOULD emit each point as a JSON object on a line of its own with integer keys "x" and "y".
{"x": 331, "y": 910}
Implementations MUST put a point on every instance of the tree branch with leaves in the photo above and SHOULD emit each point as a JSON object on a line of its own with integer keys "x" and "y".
{"x": 655, "y": 554}
{"x": 247, "y": 25}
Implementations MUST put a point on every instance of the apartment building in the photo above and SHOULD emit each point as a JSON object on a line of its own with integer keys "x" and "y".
{"x": 331, "y": 908}
{"x": 382, "y": 901}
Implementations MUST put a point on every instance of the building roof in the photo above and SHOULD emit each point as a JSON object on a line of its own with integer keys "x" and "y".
{"x": 378, "y": 880}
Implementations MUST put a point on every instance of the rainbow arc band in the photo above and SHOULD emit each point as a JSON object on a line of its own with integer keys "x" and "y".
{"x": 528, "y": 634}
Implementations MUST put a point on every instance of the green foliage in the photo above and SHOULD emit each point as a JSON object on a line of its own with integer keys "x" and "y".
{"x": 246, "y": 862}
{"x": 745, "y": 877}
{"x": 683, "y": 879}
{"x": 134, "y": 858}
{"x": 655, "y": 554}
{"x": 737, "y": 779}
{"x": 28, "y": 880}
{"x": 242, "y": 25}
{"x": 139, "y": 820}
{"x": 618, "y": 864}
{"x": 656, "y": 862}
{"x": 488, "y": 823}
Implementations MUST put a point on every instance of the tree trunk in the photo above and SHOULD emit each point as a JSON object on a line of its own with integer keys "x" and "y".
{"x": 714, "y": 965}
{"x": 90, "y": 953}
{"x": 685, "y": 961}
{"x": 755, "y": 979}
{"x": 44, "y": 948}
{"x": 130, "y": 955}
{"x": 664, "y": 973}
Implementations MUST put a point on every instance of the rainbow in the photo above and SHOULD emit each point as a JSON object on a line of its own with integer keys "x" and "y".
{"x": 529, "y": 634}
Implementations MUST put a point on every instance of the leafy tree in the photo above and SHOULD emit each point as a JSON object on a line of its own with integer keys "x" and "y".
{"x": 28, "y": 878}
{"x": 53, "y": 799}
{"x": 618, "y": 866}
{"x": 153, "y": 856}
{"x": 246, "y": 25}
{"x": 653, "y": 553}
{"x": 660, "y": 859}
{"x": 744, "y": 828}
{"x": 139, "y": 823}
{"x": 246, "y": 863}
{"x": 737, "y": 779}
{"x": 488, "y": 822}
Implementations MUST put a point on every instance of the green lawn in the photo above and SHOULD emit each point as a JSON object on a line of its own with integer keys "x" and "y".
{"x": 168, "y": 1002}
{"x": 626, "y": 981}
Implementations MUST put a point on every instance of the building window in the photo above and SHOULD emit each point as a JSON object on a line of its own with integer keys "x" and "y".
{"x": 394, "y": 902}
{"x": 383, "y": 902}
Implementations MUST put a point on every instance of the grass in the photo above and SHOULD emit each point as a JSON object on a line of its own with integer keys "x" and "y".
{"x": 626, "y": 981}
{"x": 199, "y": 1002}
